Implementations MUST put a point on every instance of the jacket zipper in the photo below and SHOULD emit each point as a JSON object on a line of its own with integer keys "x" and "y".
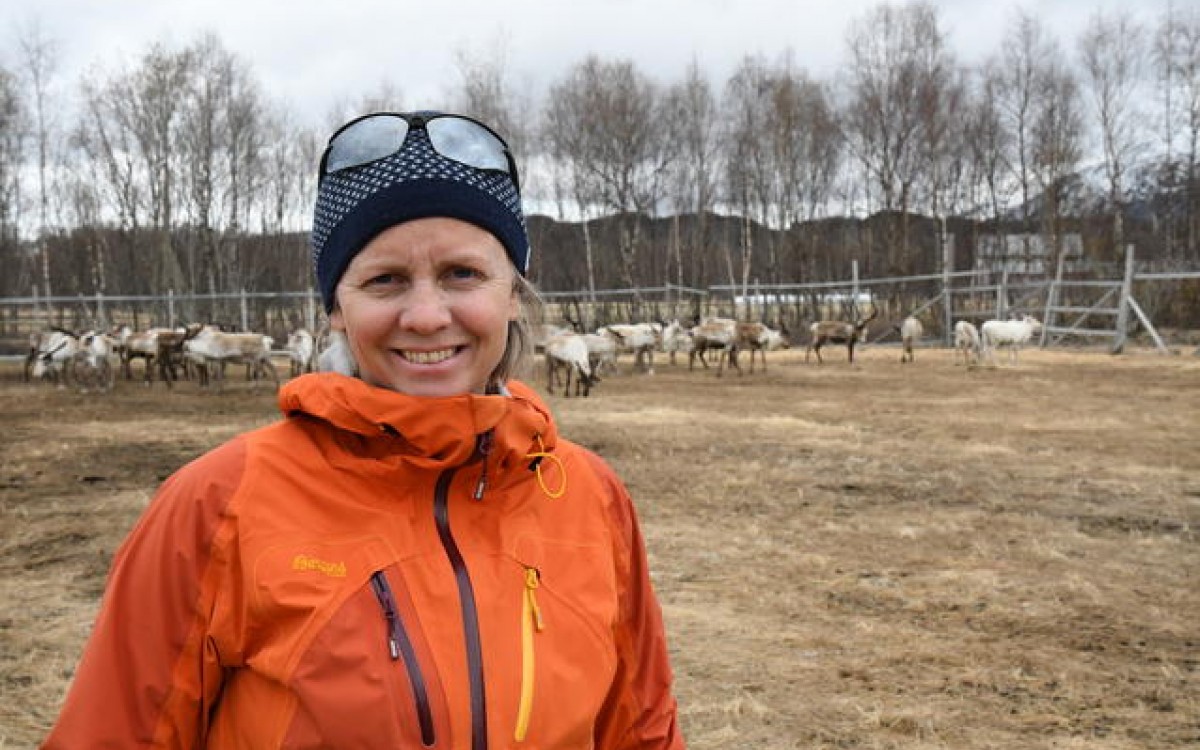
{"x": 470, "y": 615}
{"x": 531, "y": 620}
{"x": 400, "y": 646}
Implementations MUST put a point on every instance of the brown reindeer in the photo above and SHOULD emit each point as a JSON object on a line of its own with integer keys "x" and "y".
{"x": 758, "y": 337}
{"x": 837, "y": 332}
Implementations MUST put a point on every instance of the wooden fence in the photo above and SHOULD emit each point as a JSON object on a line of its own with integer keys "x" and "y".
{"x": 1070, "y": 307}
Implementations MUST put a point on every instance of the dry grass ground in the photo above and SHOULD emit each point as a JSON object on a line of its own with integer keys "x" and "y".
{"x": 878, "y": 556}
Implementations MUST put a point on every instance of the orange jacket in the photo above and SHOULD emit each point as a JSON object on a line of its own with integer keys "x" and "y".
{"x": 381, "y": 571}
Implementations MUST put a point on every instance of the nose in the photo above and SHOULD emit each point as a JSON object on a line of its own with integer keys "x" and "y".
{"x": 425, "y": 309}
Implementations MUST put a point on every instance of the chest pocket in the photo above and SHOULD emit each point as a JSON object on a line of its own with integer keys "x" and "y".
{"x": 334, "y": 642}
{"x": 564, "y": 646}
{"x": 296, "y": 588}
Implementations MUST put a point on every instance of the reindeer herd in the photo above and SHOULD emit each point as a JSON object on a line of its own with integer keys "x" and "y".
{"x": 581, "y": 358}
{"x": 197, "y": 352}
{"x": 574, "y": 362}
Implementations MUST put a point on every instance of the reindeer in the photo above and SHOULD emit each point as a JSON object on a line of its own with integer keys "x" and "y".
{"x": 758, "y": 337}
{"x": 715, "y": 334}
{"x": 838, "y": 332}
{"x": 43, "y": 343}
{"x": 568, "y": 352}
{"x": 911, "y": 331}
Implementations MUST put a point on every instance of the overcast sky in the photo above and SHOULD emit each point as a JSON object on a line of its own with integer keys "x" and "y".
{"x": 312, "y": 55}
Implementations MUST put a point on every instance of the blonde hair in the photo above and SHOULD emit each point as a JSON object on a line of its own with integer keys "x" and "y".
{"x": 518, "y": 352}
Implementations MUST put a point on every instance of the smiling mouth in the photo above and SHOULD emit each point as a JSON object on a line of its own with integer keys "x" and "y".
{"x": 427, "y": 358}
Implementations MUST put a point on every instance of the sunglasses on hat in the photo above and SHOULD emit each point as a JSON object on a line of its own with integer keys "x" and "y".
{"x": 376, "y": 136}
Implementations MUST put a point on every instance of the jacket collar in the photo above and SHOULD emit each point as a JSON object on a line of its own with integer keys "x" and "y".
{"x": 435, "y": 433}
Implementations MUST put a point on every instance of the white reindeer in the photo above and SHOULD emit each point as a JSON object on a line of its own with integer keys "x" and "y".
{"x": 602, "y": 353}
{"x": 569, "y": 352}
{"x": 1010, "y": 333}
{"x": 301, "y": 349}
{"x": 966, "y": 343}
{"x": 543, "y": 332}
{"x": 93, "y": 365}
{"x": 911, "y": 332}
{"x": 676, "y": 338}
{"x": 212, "y": 347}
{"x": 639, "y": 338}
{"x": 54, "y": 357}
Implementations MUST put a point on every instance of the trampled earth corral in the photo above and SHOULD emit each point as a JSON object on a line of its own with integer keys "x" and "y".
{"x": 882, "y": 555}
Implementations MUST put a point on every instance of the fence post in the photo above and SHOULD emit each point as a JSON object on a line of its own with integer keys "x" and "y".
{"x": 1118, "y": 344}
{"x": 1002, "y": 294}
{"x": 310, "y": 312}
{"x": 101, "y": 317}
{"x": 854, "y": 283}
{"x": 245, "y": 315}
{"x": 170, "y": 308}
{"x": 947, "y": 268}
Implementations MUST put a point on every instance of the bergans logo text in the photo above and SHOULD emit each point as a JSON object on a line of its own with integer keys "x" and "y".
{"x": 331, "y": 569}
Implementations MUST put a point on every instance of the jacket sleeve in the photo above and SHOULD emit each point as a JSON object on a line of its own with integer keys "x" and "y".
{"x": 149, "y": 674}
{"x": 640, "y": 712}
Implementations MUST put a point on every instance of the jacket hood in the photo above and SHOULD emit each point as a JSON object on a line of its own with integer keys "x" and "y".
{"x": 434, "y": 433}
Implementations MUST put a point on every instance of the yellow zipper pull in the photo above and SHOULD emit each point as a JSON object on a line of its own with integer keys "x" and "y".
{"x": 532, "y": 581}
{"x": 531, "y": 620}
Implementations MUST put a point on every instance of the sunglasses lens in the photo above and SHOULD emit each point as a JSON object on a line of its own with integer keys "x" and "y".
{"x": 467, "y": 142}
{"x": 365, "y": 141}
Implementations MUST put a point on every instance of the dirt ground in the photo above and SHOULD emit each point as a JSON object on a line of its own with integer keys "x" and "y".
{"x": 876, "y": 556}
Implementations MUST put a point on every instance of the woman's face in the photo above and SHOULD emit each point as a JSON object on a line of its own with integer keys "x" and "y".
{"x": 426, "y": 305}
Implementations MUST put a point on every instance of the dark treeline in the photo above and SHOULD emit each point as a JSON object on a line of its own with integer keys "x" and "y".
{"x": 178, "y": 172}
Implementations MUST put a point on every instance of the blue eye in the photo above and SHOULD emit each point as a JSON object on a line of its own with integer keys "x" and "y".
{"x": 463, "y": 273}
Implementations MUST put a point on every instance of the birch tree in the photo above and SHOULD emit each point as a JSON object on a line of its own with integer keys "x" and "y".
{"x": 39, "y": 63}
{"x": 1021, "y": 67}
{"x": 242, "y": 146}
{"x": 487, "y": 92}
{"x": 568, "y": 150}
{"x": 620, "y": 149}
{"x": 289, "y": 164}
{"x": 692, "y": 122}
{"x": 751, "y": 168}
{"x": 221, "y": 133}
{"x": 83, "y": 199}
{"x": 898, "y": 59}
{"x": 109, "y": 148}
{"x": 150, "y": 109}
{"x": 1057, "y": 129}
{"x": 943, "y": 138}
{"x": 11, "y": 127}
{"x": 1112, "y": 53}
{"x": 202, "y": 174}
{"x": 784, "y": 148}
{"x": 990, "y": 144}
{"x": 1177, "y": 65}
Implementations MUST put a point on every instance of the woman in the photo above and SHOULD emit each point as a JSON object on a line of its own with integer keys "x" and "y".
{"x": 412, "y": 557}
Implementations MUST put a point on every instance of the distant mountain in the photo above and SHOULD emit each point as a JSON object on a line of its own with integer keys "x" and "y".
{"x": 1085, "y": 193}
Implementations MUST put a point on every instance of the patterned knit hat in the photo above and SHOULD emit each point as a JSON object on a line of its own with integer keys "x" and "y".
{"x": 354, "y": 205}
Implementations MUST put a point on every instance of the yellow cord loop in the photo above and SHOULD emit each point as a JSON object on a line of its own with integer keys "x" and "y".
{"x": 540, "y": 454}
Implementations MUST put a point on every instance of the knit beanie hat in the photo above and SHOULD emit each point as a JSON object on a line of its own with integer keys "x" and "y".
{"x": 354, "y": 205}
